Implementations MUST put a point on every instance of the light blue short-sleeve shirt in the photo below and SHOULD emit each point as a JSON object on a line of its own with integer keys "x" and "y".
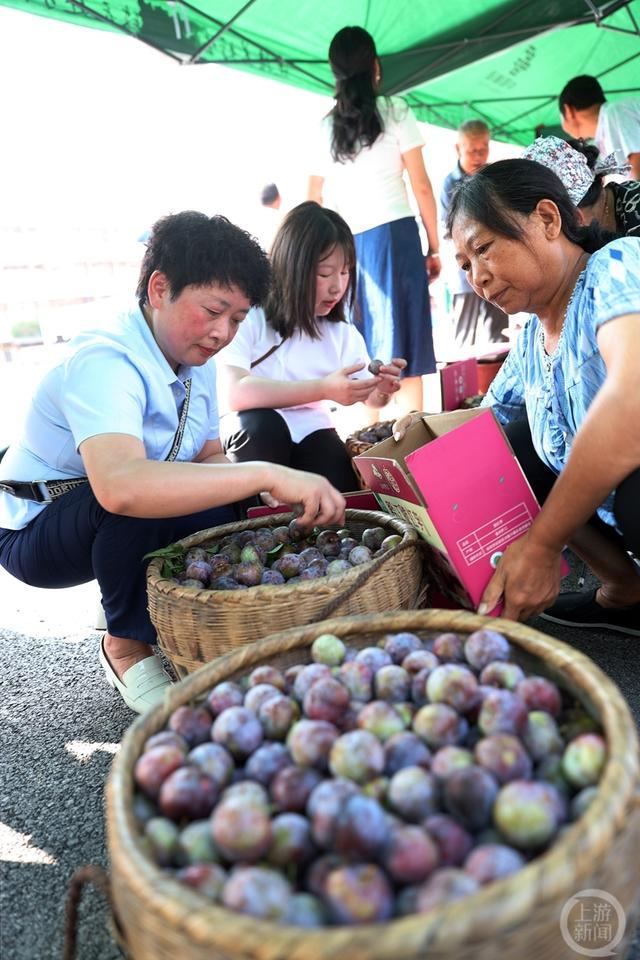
{"x": 554, "y": 393}
{"x": 112, "y": 380}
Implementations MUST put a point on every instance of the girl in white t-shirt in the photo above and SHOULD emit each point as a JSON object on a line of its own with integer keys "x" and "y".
{"x": 367, "y": 143}
{"x": 288, "y": 359}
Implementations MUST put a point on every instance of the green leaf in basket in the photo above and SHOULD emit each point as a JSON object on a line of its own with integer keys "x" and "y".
{"x": 274, "y": 554}
{"x": 173, "y": 566}
{"x": 170, "y": 552}
{"x": 212, "y": 549}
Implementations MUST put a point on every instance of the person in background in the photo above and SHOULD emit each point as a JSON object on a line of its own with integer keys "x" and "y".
{"x": 567, "y": 392}
{"x": 270, "y": 196}
{"x": 475, "y": 321}
{"x": 613, "y": 125}
{"x": 367, "y": 142}
{"x": 616, "y": 206}
{"x": 270, "y": 215}
{"x": 299, "y": 351}
{"x": 120, "y": 453}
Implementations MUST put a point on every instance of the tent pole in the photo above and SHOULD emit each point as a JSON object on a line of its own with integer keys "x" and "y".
{"x": 258, "y": 46}
{"x": 223, "y": 29}
{"x": 122, "y": 29}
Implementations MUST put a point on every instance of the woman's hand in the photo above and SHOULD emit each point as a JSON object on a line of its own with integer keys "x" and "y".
{"x": 433, "y": 266}
{"x": 342, "y": 389}
{"x": 401, "y": 426}
{"x": 321, "y": 503}
{"x": 527, "y": 579}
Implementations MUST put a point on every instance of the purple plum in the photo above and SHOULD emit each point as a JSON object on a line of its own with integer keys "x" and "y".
{"x": 358, "y": 894}
{"x": 223, "y": 695}
{"x": 239, "y": 730}
{"x": 493, "y": 861}
{"x": 405, "y": 749}
{"x": 469, "y": 795}
{"x": 187, "y": 794}
{"x": 451, "y": 839}
{"x": 583, "y": 759}
{"x": 413, "y": 794}
{"x": 443, "y": 887}
{"x": 357, "y": 755}
{"x": 310, "y": 742}
{"x": 504, "y": 756}
{"x": 410, "y": 854}
{"x": 267, "y": 760}
{"x": 259, "y": 892}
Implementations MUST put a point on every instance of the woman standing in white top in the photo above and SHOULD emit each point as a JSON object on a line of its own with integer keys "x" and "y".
{"x": 367, "y": 143}
{"x": 289, "y": 358}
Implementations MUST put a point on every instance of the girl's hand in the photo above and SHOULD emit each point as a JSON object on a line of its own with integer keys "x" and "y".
{"x": 321, "y": 503}
{"x": 389, "y": 376}
{"x": 527, "y": 578}
{"x": 433, "y": 266}
{"x": 342, "y": 389}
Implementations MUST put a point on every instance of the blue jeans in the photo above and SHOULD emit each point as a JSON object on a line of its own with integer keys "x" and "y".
{"x": 74, "y": 540}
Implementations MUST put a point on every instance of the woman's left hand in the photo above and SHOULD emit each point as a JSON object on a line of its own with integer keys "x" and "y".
{"x": 433, "y": 266}
{"x": 527, "y": 579}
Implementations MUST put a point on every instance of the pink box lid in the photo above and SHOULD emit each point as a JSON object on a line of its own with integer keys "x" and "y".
{"x": 477, "y": 496}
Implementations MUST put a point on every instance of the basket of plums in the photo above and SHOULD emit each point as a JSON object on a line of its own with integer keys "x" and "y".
{"x": 233, "y": 584}
{"x": 415, "y": 784}
{"x": 362, "y": 440}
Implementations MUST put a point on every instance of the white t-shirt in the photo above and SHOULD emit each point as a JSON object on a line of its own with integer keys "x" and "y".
{"x": 299, "y": 358}
{"x": 370, "y": 190}
{"x": 619, "y": 127}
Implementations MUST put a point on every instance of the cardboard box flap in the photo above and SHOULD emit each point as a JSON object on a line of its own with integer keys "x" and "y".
{"x": 439, "y": 424}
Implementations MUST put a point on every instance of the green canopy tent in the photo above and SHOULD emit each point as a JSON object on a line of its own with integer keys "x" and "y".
{"x": 504, "y": 60}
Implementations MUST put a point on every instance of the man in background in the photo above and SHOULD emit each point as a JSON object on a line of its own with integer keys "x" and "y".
{"x": 475, "y": 321}
{"x": 270, "y": 218}
{"x": 614, "y": 126}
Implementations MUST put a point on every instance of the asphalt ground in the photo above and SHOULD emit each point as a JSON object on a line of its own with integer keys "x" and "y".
{"x": 61, "y": 724}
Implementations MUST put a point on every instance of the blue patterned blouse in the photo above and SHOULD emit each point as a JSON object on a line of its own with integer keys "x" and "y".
{"x": 555, "y": 392}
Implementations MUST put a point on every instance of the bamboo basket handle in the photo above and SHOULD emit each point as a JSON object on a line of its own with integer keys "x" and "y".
{"x": 79, "y": 879}
{"x": 371, "y": 568}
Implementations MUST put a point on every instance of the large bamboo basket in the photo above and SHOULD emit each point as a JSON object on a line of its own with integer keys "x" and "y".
{"x": 514, "y": 919}
{"x": 196, "y": 626}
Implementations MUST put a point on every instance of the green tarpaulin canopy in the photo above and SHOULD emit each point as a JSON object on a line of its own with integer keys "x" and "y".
{"x": 504, "y": 60}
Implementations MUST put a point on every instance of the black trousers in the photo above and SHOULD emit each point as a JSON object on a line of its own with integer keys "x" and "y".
{"x": 626, "y": 505}
{"x": 262, "y": 434}
{"x": 74, "y": 540}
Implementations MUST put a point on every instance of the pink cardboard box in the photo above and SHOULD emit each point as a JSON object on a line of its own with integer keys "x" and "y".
{"x": 454, "y": 477}
{"x": 458, "y": 381}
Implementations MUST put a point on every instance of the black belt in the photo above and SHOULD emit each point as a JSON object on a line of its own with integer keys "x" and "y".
{"x": 40, "y": 491}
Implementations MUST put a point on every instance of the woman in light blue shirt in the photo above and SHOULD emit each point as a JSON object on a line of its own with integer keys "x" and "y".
{"x": 568, "y": 391}
{"x": 132, "y": 410}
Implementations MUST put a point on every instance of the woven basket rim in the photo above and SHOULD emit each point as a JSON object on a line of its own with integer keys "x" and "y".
{"x": 271, "y": 592}
{"x": 499, "y": 905}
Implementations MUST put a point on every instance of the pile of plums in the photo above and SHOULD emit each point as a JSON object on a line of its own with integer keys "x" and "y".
{"x": 376, "y": 433}
{"x": 368, "y": 784}
{"x": 278, "y": 555}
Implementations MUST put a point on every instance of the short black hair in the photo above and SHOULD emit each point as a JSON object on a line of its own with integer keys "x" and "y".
{"x": 307, "y": 233}
{"x": 581, "y": 93}
{"x": 497, "y": 193}
{"x": 192, "y": 249}
{"x": 269, "y": 194}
